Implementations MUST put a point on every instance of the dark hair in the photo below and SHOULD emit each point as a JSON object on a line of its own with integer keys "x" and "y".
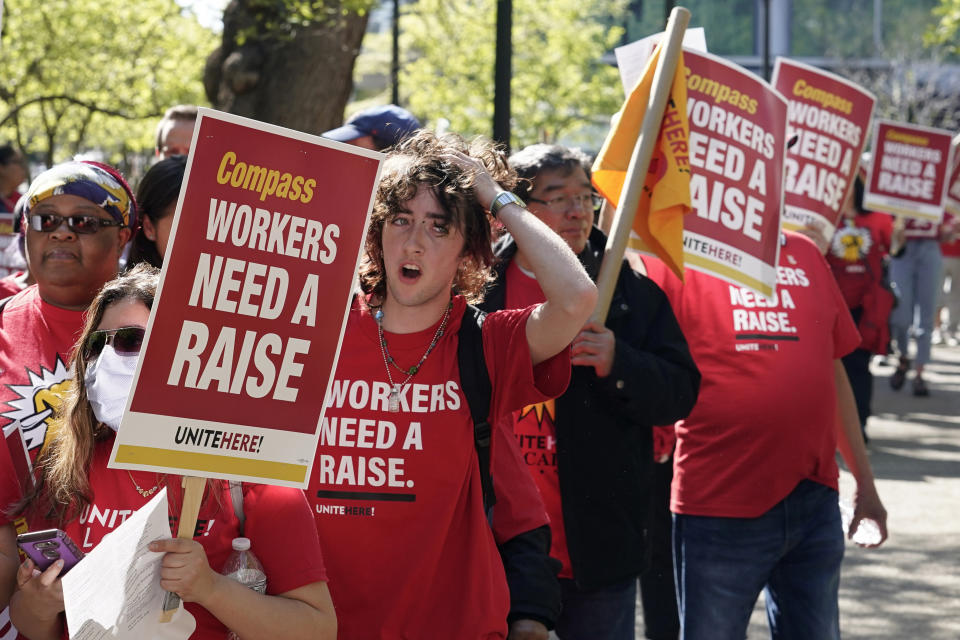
{"x": 858, "y": 188}
{"x": 423, "y": 159}
{"x": 185, "y": 112}
{"x": 158, "y": 188}
{"x": 531, "y": 161}
{"x": 7, "y": 153}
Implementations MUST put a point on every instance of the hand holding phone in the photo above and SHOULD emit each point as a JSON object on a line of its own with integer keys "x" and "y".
{"x": 47, "y": 546}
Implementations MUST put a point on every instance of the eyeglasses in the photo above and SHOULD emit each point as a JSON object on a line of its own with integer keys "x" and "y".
{"x": 125, "y": 340}
{"x": 49, "y": 222}
{"x": 562, "y": 204}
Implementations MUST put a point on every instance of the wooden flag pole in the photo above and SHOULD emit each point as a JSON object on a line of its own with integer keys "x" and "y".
{"x": 193, "y": 487}
{"x": 670, "y": 45}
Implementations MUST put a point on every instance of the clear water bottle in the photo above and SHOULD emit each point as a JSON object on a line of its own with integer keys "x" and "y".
{"x": 244, "y": 567}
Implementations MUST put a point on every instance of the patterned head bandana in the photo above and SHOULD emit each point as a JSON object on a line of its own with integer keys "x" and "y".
{"x": 87, "y": 181}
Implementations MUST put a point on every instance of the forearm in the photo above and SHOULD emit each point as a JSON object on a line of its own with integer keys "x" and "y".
{"x": 849, "y": 436}
{"x": 570, "y": 294}
{"x": 301, "y": 613}
{"x": 562, "y": 278}
{"x": 33, "y": 626}
{"x": 8, "y": 563}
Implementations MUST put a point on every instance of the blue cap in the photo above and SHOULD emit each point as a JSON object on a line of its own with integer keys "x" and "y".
{"x": 388, "y": 125}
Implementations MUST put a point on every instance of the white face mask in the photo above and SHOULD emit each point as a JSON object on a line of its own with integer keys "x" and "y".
{"x": 109, "y": 381}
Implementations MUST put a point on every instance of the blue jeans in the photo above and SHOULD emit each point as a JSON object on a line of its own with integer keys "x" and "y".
{"x": 793, "y": 552}
{"x": 600, "y": 614}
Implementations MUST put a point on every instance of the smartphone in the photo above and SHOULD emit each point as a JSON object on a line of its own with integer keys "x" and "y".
{"x": 47, "y": 546}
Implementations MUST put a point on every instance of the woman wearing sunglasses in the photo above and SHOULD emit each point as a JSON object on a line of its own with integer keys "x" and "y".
{"x": 76, "y": 492}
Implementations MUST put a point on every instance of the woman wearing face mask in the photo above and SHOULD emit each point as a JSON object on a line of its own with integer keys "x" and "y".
{"x": 73, "y": 482}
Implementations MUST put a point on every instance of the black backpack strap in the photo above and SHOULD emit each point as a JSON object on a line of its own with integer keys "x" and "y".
{"x": 475, "y": 381}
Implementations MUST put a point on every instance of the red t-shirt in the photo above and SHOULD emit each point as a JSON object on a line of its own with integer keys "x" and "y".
{"x": 856, "y": 254}
{"x": 36, "y": 340}
{"x": 766, "y": 415}
{"x": 535, "y": 429}
{"x": 276, "y": 519}
{"x": 397, "y": 496}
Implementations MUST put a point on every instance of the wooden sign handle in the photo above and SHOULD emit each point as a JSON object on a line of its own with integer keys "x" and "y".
{"x": 193, "y": 487}
{"x": 671, "y": 43}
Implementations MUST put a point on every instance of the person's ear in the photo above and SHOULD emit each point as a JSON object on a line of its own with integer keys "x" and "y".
{"x": 149, "y": 229}
{"x": 124, "y": 237}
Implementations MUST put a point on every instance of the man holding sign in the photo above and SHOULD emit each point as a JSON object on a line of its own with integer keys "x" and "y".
{"x": 755, "y": 485}
{"x": 589, "y": 451}
{"x": 396, "y": 485}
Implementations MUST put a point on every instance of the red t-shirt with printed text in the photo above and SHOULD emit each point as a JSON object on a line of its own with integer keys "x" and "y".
{"x": 277, "y": 521}
{"x": 766, "y": 415}
{"x": 535, "y": 429}
{"x": 397, "y": 496}
{"x": 36, "y": 340}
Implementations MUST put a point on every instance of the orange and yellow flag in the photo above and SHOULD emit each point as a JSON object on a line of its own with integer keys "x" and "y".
{"x": 665, "y": 198}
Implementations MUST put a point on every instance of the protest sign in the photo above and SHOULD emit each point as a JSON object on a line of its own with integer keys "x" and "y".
{"x": 830, "y": 117}
{"x": 738, "y": 126}
{"x": 249, "y": 316}
{"x": 908, "y": 173}
{"x": 952, "y": 200}
{"x": 632, "y": 58}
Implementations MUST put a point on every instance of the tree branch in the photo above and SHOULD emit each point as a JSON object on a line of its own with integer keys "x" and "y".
{"x": 82, "y": 103}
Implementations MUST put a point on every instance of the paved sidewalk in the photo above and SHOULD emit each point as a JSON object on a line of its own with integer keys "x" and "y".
{"x": 910, "y": 587}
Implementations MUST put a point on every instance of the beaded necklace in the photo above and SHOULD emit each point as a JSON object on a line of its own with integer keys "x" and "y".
{"x": 393, "y": 404}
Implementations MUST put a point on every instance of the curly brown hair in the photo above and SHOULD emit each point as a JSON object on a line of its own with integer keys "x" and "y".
{"x": 424, "y": 159}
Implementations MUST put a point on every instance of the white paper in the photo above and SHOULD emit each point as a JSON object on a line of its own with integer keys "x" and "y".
{"x": 114, "y": 592}
{"x": 632, "y": 58}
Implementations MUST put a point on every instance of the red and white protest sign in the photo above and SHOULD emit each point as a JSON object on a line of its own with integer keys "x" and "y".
{"x": 952, "y": 201}
{"x": 248, "y": 320}
{"x": 908, "y": 172}
{"x": 738, "y": 127}
{"x": 830, "y": 117}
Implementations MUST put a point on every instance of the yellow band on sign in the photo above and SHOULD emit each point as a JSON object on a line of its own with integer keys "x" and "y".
{"x": 728, "y": 272}
{"x": 212, "y": 463}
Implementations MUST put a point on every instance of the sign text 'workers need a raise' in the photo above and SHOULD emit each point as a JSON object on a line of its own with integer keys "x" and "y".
{"x": 255, "y": 291}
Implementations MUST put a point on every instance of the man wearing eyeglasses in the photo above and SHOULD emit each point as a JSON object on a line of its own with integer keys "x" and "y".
{"x": 590, "y": 450}
{"x": 77, "y": 218}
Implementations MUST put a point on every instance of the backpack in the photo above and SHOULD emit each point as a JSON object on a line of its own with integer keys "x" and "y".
{"x": 475, "y": 381}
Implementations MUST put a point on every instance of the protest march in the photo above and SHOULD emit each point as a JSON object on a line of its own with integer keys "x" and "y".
{"x": 398, "y": 381}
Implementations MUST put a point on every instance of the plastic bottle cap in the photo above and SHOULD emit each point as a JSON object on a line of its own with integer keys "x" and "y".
{"x": 241, "y": 544}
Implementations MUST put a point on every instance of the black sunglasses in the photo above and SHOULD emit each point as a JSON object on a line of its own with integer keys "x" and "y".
{"x": 125, "y": 340}
{"x": 49, "y": 222}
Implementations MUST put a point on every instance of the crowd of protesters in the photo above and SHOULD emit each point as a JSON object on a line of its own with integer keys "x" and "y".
{"x": 599, "y": 430}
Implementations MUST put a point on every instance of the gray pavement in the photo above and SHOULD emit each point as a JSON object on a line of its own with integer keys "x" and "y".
{"x": 910, "y": 587}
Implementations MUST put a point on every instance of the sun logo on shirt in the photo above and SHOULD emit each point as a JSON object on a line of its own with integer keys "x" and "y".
{"x": 540, "y": 410}
{"x": 38, "y": 401}
{"x": 851, "y": 244}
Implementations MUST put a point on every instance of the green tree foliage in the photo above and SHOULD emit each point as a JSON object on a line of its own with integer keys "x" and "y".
{"x": 83, "y": 75}
{"x": 560, "y": 82}
{"x": 947, "y": 29}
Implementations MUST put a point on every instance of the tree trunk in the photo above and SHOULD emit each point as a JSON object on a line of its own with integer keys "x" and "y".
{"x": 299, "y": 77}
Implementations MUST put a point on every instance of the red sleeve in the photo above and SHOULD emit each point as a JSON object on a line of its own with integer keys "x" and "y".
{"x": 516, "y": 383}
{"x": 664, "y": 440}
{"x": 9, "y": 486}
{"x": 846, "y": 337}
{"x": 519, "y": 507}
{"x": 283, "y": 535}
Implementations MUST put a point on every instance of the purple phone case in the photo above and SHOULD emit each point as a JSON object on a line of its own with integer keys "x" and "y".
{"x": 47, "y": 546}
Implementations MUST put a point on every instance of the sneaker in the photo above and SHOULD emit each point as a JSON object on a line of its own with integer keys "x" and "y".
{"x": 920, "y": 387}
